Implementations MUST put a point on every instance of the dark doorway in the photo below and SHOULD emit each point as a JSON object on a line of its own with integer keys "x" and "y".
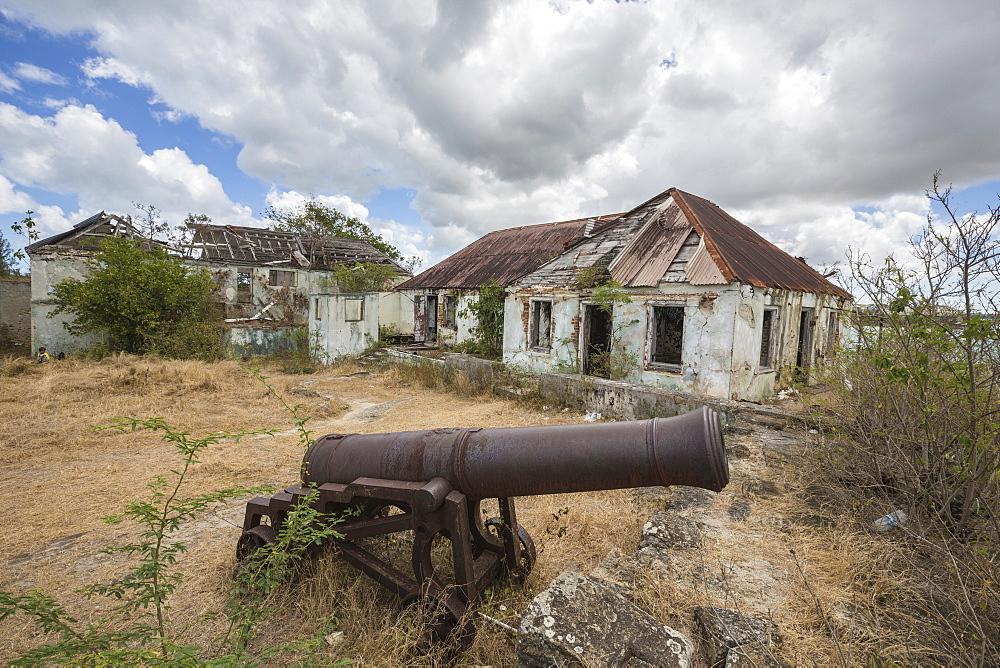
{"x": 597, "y": 342}
{"x": 803, "y": 356}
{"x": 432, "y": 319}
{"x": 425, "y": 309}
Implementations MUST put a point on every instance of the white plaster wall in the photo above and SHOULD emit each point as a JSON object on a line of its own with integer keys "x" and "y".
{"x": 395, "y": 310}
{"x": 47, "y": 270}
{"x": 749, "y": 381}
{"x": 723, "y": 326}
{"x": 707, "y": 353}
{"x": 515, "y": 338}
{"x": 565, "y": 335}
{"x": 15, "y": 309}
{"x": 754, "y": 384}
{"x": 563, "y": 355}
{"x": 464, "y": 325}
{"x": 336, "y": 337}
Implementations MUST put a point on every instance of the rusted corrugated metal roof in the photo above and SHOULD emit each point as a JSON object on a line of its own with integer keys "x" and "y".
{"x": 743, "y": 255}
{"x": 702, "y": 270}
{"x": 505, "y": 255}
{"x": 647, "y": 256}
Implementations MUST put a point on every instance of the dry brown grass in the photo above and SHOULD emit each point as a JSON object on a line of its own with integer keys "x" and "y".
{"x": 60, "y": 477}
{"x": 804, "y": 557}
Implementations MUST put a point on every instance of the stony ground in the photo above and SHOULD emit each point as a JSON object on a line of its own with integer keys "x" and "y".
{"x": 757, "y": 547}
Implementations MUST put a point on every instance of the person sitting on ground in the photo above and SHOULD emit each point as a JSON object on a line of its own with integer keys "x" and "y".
{"x": 43, "y": 356}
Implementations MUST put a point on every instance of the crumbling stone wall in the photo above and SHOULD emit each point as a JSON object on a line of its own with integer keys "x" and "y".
{"x": 15, "y": 315}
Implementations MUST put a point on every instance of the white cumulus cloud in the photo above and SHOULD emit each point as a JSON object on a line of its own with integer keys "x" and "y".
{"x": 78, "y": 151}
{"x": 798, "y": 113}
{"x": 38, "y": 74}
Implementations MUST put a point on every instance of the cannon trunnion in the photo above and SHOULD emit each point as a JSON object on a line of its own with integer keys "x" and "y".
{"x": 431, "y": 483}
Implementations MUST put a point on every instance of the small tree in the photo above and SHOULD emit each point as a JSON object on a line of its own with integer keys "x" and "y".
{"x": 921, "y": 400}
{"x": 10, "y": 257}
{"x": 8, "y": 261}
{"x": 618, "y": 361}
{"x": 487, "y": 310}
{"x": 363, "y": 277}
{"x": 142, "y": 301}
{"x": 926, "y": 371}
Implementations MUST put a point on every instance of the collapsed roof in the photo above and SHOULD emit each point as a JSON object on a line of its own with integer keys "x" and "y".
{"x": 254, "y": 246}
{"x": 86, "y": 234}
{"x": 228, "y": 244}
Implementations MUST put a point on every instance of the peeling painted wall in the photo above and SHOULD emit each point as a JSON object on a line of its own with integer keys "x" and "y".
{"x": 260, "y": 341}
{"x": 342, "y": 325}
{"x": 290, "y": 302}
{"x": 722, "y": 333}
{"x": 395, "y": 312}
{"x": 447, "y": 334}
{"x": 15, "y": 311}
{"x": 47, "y": 269}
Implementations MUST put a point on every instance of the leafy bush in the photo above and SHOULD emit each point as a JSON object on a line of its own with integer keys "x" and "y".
{"x": 921, "y": 399}
{"x": 487, "y": 310}
{"x": 142, "y": 300}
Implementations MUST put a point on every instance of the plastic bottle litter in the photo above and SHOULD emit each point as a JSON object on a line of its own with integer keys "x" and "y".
{"x": 893, "y": 519}
{"x": 592, "y": 417}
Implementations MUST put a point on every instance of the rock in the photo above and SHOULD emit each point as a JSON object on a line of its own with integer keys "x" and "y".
{"x": 737, "y": 451}
{"x": 765, "y": 489}
{"x": 583, "y": 621}
{"x": 780, "y": 444}
{"x": 682, "y": 498}
{"x": 304, "y": 391}
{"x": 753, "y": 656}
{"x": 739, "y": 511}
{"x": 650, "y": 492}
{"x": 628, "y": 572}
{"x": 664, "y": 530}
{"x": 724, "y": 630}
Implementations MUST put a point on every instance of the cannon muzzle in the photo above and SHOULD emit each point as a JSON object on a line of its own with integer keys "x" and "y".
{"x": 526, "y": 461}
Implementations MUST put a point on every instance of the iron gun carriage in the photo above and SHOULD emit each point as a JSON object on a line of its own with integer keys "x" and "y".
{"x": 432, "y": 483}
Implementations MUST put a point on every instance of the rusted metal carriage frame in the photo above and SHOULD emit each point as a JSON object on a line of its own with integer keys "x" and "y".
{"x": 428, "y": 510}
{"x": 439, "y": 477}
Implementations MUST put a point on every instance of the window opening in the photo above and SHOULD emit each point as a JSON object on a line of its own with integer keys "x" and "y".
{"x": 281, "y": 279}
{"x": 667, "y": 334}
{"x": 449, "y": 311}
{"x": 768, "y": 338}
{"x": 541, "y": 324}
{"x": 832, "y": 331}
{"x": 243, "y": 292}
{"x": 597, "y": 340}
{"x": 354, "y": 310}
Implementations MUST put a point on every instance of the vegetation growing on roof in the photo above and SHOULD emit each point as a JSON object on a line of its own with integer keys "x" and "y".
{"x": 363, "y": 277}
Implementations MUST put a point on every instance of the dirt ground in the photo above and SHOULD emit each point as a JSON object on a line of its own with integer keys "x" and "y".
{"x": 59, "y": 477}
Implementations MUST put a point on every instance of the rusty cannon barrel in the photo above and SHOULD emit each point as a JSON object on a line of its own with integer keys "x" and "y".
{"x": 528, "y": 461}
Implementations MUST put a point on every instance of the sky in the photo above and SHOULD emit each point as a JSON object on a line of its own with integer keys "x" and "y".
{"x": 818, "y": 123}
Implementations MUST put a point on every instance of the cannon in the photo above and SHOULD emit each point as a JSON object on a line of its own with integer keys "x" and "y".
{"x": 432, "y": 483}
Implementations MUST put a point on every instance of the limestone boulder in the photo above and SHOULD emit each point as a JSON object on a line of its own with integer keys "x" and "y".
{"x": 665, "y": 530}
{"x": 584, "y": 621}
{"x": 730, "y": 638}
